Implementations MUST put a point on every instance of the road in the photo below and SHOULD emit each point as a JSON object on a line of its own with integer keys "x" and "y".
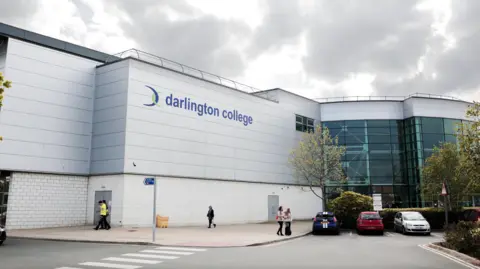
{"x": 334, "y": 252}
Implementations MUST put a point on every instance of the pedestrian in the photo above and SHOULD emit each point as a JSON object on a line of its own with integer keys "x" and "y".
{"x": 210, "y": 216}
{"x": 280, "y": 221}
{"x": 288, "y": 222}
{"x": 103, "y": 216}
{"x": 108, "y": 214}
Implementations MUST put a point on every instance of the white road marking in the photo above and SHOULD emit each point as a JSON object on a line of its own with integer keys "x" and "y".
{"x": 110, "y": 265}
{"x": 68, "y": 268}
{"x": 389, "y": 234}
{"x": 151, "y": 256}
{"x": 166, "y": 252}
{"x": 450, "y": 257}
{"x": 115, "y": 259}
{"x": 186, "y": 249}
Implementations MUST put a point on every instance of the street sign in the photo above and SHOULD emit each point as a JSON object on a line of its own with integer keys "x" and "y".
{"x": 149, "y": 181}
{"x": 377, "y": 202}
{"x": 444, "y": 190}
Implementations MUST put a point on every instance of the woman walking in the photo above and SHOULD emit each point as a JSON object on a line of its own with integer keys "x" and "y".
{"x": 288, "y": 222}
{"x": 280, "y": 221}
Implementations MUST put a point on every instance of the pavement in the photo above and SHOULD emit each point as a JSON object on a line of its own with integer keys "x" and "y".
{"x": 348, "y": 250}
{"x": 221, "y": 236}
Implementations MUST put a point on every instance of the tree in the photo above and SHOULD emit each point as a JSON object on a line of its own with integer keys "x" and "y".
{"x": 469, "y": 143}
{"x": 349, "y": 205}
{"x": 445, "y": 165}
{"x": 316, "y": 160}
{"x": 4, "y": 84}
{"x": 456, "y": 165}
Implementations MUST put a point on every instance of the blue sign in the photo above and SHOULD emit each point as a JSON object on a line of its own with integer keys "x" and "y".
{"x": 149, "y": 181}
{"x": 201, "y": 109}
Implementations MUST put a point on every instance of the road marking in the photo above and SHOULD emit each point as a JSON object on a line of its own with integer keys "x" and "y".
{"x": 150, "y": 256}
{"x": 111, "y": 265}
{"x": 450, "y": 257}
{"x": 68, "y": 268}
{"x": 186, "y": 249}
{"x": 167, "y": 252}
{"x": 115, "y": 259}
{"x": 389, "y": 234}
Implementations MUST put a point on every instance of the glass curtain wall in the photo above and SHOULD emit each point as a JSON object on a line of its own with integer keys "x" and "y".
{"x": 387, "y": 156}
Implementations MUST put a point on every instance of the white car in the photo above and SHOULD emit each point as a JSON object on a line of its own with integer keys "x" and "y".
{"x": 411, "y": 222}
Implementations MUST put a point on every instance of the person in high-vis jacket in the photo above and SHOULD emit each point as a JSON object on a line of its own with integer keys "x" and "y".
{"x": 103, "y": 216}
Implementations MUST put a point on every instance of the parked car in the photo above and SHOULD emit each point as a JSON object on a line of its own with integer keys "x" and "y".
{"x": 471, "y": 215}
{"x": 411, "y": 222}
{"x": 325, "y": 222}
{"x": 3, "y": 235}
{"x": 369, "y": 222}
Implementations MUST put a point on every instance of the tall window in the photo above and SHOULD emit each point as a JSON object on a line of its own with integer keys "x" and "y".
{"x": 304, "y": 124}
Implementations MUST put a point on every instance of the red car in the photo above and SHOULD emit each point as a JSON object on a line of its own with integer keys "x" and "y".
{"x": 369, "y": 221}
{"x": 471, "y": 215}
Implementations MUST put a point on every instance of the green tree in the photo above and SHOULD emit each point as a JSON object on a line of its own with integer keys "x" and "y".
{"x": 4, "y": 84}
{"x": 445, "y": 165}
{"x": 348, "y": 205}
{"x": 469, "y": 142}
{"x": 316, "y": 160}
{"x": 456, "y": 165}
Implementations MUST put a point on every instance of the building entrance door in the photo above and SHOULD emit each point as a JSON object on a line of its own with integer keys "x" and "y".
{"x": 99, "y": 196}
{"x": 273, "y": 204}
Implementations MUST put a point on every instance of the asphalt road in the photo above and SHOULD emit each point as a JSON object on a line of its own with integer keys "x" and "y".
{"x": 334, "y": 252}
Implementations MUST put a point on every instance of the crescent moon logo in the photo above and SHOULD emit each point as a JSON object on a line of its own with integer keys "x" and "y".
{"x": 155, "y": 97}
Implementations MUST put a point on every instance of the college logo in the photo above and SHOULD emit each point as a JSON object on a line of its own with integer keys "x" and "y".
{"x": 155, "y": 97}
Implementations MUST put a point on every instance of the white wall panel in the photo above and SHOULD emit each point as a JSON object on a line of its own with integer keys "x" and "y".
{"x": 364, "y": 110}
{"x": 109, "y": 120}
{"x": 47, "y": 117}
{"x": 186, "y": 201}
{"x": 425, "y": 107}
{"x": 175, "y": 141}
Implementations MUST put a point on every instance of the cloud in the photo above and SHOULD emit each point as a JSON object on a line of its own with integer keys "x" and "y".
{"x": 313, "y": 47}
{"x": 179, "y": 32}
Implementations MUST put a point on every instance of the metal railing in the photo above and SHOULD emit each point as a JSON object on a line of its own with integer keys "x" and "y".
{"x": 187, "y": 70}
{"x": 382, "y": 98}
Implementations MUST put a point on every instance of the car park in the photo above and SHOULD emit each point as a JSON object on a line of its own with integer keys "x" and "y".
{"x": 411, "y": 222}
{"x": 369, "y": 222}
{"x": 325, "y": 222}
{"x": 3, "y": 235}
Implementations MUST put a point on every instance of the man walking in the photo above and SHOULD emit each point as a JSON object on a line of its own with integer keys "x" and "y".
{"x": 210, "y": 216}
{"x": 103, "y": 216}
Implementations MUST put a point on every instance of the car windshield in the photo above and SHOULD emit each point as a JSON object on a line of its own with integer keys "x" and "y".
{"x": 322, "y": 215}
{"x": 371, "y": 216}
{"x": 413, "y": 216}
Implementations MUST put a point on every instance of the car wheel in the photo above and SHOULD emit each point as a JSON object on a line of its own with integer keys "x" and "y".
{"x": 427, "y": 234}
{"x": 1, "y": 242}
{"x": 314, "y": 232}
{"x": 381, "y": 232}
{"x": 359, "y": 232}
{"x": 337, "y": 232}
{"x": 403, "y": 230}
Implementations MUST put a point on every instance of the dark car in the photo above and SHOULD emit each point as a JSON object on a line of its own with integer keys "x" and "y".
{"x": 471, "y": 215}
{"x": 3, "y": 234}
{"x": 325, "y": 222}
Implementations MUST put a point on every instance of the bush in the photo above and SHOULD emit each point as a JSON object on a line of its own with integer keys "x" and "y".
{"x": 464, "y": 237}
{"x": 348, "y": 205}
{"x": 434, "y": 216}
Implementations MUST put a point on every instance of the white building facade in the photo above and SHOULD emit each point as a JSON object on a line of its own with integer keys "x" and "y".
{"x": 81, "y": 126}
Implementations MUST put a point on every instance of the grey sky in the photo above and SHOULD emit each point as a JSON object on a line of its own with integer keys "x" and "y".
{"x": 403, "y": 45}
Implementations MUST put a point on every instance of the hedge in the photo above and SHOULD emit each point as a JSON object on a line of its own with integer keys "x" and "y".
{"x": 435, "y": 216}
{"x": 464, "y": 237}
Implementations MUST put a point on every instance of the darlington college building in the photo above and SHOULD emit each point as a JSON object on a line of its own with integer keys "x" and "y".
{"x": 81, "y": 126}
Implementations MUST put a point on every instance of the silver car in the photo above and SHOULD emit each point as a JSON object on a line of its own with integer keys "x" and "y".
{"x": 411, "y": 222}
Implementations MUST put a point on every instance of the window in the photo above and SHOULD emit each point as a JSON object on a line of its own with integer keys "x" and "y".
{"x": 304, "y": 124}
